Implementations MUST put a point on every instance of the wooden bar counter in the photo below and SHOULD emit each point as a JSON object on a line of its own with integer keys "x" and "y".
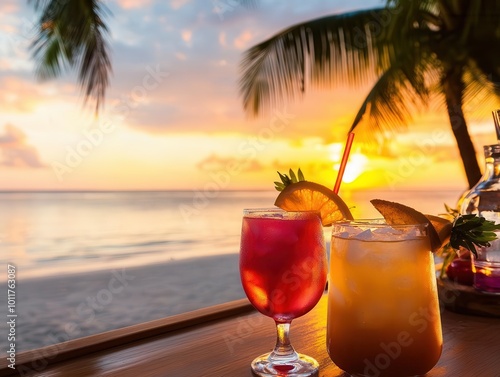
{"x": 222, "y": 340}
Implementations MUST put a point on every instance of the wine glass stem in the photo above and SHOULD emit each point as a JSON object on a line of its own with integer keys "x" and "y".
{"x": 283, "y": 346}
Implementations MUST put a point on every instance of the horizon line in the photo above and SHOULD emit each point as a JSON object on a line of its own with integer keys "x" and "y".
{"x": 416, "y": 189}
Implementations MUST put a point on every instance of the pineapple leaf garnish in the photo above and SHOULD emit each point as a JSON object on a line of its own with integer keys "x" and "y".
{"x": 288, "y": 180}
{"x": 451, "y": 211}
{"x": 448, "y": 253}
{"x": 471, "y": 231}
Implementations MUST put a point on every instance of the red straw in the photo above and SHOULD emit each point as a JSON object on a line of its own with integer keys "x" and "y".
{"x": 343, "y": 163}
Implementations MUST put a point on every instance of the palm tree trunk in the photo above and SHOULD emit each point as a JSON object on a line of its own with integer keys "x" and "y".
{"x": 453, "y": 88}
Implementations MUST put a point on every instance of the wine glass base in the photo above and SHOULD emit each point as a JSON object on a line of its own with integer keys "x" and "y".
{"x": 300, "y": 366}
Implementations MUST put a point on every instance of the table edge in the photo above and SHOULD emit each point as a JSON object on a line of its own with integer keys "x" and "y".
{"x": 52, "y": 354}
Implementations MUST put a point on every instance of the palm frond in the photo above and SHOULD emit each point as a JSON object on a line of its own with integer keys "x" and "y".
{"x": 393, "y": 98}
{"x": 483, "y": 40}
{"x": 338, "y": 49}
{"x": 480, "y": 92}
{"x": 422, "y": 12}
{"x": 39, "y": 4}
{"x": 72, "y": 34}
{"x": 94, "y": 68}
{"x": 403, "y": 88}
{"x": 487, "y": 61}
{"x": 51, "y": 62}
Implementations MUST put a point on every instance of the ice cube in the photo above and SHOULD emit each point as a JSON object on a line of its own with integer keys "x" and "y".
{"x": 276, "y": 233}
{"x": 413, "y": 233}
{"x": 365, "y": 235}
{"x": 381, "y": 259}
{"x": 355, "y": 254}
{"x": 387, "y": 230}
{"x": 348, "y": 233}
{"x": 388, "y": 234}
{"x": 344, "y": 235}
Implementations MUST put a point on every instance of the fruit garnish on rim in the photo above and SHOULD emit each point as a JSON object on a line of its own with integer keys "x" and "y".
{"x": 399, "y": 214}
{"x": 297, "y": 194}
{"x": 468, "y": 231}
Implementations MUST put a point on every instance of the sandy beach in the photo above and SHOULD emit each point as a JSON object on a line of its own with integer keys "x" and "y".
{"x": 57, "y": 309}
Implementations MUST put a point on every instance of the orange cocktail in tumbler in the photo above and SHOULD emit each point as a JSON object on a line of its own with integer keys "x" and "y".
{"x": 283, "y": 271}
{"x": 383, "y": 311}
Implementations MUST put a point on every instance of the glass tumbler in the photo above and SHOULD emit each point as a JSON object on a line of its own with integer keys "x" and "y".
{"x": 383, "y": 310}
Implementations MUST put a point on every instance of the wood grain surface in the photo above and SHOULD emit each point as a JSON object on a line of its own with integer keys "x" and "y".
{"x": 224, "y": 345}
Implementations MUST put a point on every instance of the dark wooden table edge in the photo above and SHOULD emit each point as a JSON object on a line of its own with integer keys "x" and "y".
{"x": 56, "y": 353}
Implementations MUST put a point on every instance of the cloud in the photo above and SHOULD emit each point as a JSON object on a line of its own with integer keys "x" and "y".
{"x": 9, "y": 7}
{"x": 180, "y": 56}
{"x": 312, "y": 168}
{"x": 133, "y": 4}
{"x": 176, "y": 4}
{"x": 241, "y": 42}
{"x": 215, "y": 163}
{"x": 22, "y": 95}
{"x": 222, "y": 39}
{"x": 16, "y": 152}
{"x": 186, "y": 36}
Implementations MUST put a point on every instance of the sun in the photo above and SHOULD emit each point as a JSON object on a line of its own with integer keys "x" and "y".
{"x": 356, "y": 165}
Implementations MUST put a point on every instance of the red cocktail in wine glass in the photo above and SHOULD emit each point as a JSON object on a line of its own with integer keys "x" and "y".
{"x": 283, "y": 270}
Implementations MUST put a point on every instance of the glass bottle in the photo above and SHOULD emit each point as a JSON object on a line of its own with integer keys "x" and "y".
{"x": 484, "y": 200}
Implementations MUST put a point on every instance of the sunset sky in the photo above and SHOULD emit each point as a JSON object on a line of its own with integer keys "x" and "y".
{"x": 173, "y": 117}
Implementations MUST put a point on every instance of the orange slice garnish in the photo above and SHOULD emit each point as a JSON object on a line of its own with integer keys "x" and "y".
{"x": 442, "y": 226}
{"x": 310, "y": 196}
{"x": 399, "y": 214}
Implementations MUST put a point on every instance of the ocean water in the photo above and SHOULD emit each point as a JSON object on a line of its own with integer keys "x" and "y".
{"x": 68, "y": 232}
{"x": 56, "y": 233}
